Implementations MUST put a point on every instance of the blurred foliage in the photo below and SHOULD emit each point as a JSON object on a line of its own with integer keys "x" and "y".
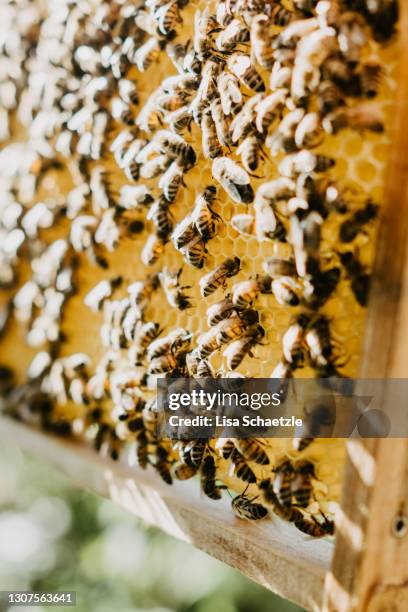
{"x": 54, "y": 536}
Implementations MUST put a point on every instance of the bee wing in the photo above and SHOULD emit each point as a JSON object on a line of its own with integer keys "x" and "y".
{"x": 237, "y": 174}
{"x": 239, "y": 63}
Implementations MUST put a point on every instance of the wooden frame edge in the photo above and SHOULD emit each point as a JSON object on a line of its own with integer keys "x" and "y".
{"x": 370, "y": 564}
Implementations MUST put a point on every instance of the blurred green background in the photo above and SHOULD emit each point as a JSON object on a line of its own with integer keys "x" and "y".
{"x": 54, "y": 536}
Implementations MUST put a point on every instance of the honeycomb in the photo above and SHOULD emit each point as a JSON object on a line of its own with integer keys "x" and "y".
{"x": 65, "y": 227}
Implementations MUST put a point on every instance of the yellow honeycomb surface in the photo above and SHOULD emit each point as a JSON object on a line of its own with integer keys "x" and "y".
{"x": 46, "y": 94}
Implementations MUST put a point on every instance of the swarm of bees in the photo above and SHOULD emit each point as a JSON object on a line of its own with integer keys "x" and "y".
{"x": 169, "y": 140}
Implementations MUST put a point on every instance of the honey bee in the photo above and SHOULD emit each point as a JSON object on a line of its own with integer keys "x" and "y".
{"x": 230, "y": 93}
{"x": 210, "y": 143}
{"x": 243, "y": 223}
{"x": 286, "y": 291}
{"x": 281, "y": 188}
{"x": 282, "y": 483}
{"x": 121, "y": 112}
{"x": 171, "y": 103}
{"x": 225, "y": 447}
{"x": 206, "y": 91}
{"x": 149, "y": 150}
{"x": 132, "y": 197}
{"x": 294, "y": 31}
{"x": 239, "y": 349}
{"x": 159, "y": 214}
{"x": 208, "y": 473}
{"x": 147, "y": 54}
{"x": 313, "y": 527}
{"x": 167, "y": 363}
{"x": 305, "y": 232}
{"x": 179, "y": 119}
{"x": 250, "y": 152}
{"x": 233, "y": 328}
{"x": 329, "y": 97}
{"x": 261, "y": 41}
{"x": 177, "y": 339}
{"x": 150, "y": 417}
{"x": 234, "y": 34}
{"x": 217, "y": 277}
{"x": 351, "y": 34}
{"x": 251, "y": 450}
{"x": 268, "y": 226}
{"x": 223, "y": 14}
{"x": 204, "y": 369}
{"x": 128, "y": 91}
{"x": 280, "y": 77}
{"x": 219, "y": 311}
{"x": 242, "y": 124}
{"x": 95, "y": 298}
{"x": 145, "y": 333}
{"x": 284, "y": 372}
{"x": 171, "y": 181}
{"x": 195, "y": 252}
{"x": 168, "y": 17}
{"x": 304, "y": 162}
{"x": 360, "y": 279}
{"x": 305, "y": 6}
{"x": 150, "y": 118}
{"x": 203, "y": 26}
{"x": 184, "y": 232}
{"x": 314, "y": 47}
{"x": 358, "y": 118}
{"x": 318, "y": 340}
{"x": 176, "y": 145}
{"x": 382, "y": 16}
{"x": 195, "y": 450}
{"x": 308, "y": 133}
{"x": 234, "y": 180}
{"x": 205, "y": 219}
{"x": 208, "y": 343}
{"x": 177, "y": 52}
{"x": 302, "y": 487}
{"x": 247, "y": 508}
{"x": 350, "y": 228}
{"x": 293, "y": 341}
{"x": 181, "y": 85}
{"x": 285, "y": 512}
{"x": 106, "y": 438}
{"x": 152, "y": 250}
{"x": 140, "y": 292}
{"x": 163, "y": 463}
{"x": 174, "y": 292}
{"x": 275, "y": 266}
{"x": 241, "y": 66}
{"x": 317, "y": 416}
{"x": 142, "y": 450}
{"x": 192, "y": 361}
{"x": 241, "y": 469}
{"x": 154, "y": 167}
{"x": 268, "y": 110}
{"x": 220, "y": 122}
{"x": 320, "y": 286}
{"x": 192, "y": 63}
{"x": 246, "y": 292}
